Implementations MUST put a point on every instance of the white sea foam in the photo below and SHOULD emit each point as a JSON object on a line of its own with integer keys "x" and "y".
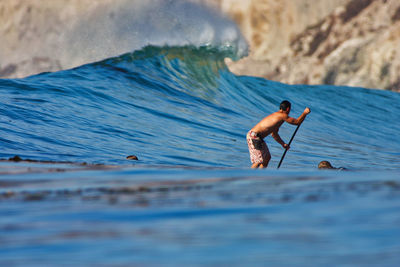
{"x": 129, "y": 25}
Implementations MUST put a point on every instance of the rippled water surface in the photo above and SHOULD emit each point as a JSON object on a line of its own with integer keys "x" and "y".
{"x": 174, "y": 216}
{"x": 191, "y": 199}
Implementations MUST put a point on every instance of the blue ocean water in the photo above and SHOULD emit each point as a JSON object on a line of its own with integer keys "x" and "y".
{"x": 191, "y": 199}
{"x": 182, "y": 106}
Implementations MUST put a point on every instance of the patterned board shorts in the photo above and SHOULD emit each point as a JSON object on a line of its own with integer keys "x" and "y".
{"x": 257, "y": 155}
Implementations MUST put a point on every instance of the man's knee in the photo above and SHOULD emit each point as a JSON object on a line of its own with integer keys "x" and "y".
{"x": 266, "y": 161}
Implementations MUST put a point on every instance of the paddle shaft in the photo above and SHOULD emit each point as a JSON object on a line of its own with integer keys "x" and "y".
{"x": 291, "y": 139}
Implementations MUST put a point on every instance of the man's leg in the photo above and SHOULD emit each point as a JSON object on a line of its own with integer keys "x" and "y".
{"x": 255, "y": 165}
{"x": 255, "y": 155}
{"x": 264, "y": 164}
{"x": 266, "y": 157}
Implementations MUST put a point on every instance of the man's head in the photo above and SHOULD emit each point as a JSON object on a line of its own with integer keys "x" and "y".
{"x": 285, "y": 106}
{"x": 325, "y": 165}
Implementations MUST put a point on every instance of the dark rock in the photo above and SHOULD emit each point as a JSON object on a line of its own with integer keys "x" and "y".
{"x": 395, "y": 86}
{"x": 8, "y": 70}
{"x": 132, "y": 157}
{"x": 396, "y": 15}
{"x": 15, "y": 158}
{"x": 354, "y": 8}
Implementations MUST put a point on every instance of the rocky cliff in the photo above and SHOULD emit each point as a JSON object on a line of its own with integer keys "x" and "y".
{"x": 349, "y": 42}
{"x": 33, "y": 34}
{"x": 341, "y": 42}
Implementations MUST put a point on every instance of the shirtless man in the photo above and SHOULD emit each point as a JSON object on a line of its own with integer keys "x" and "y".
{"x": 259, "y": 153}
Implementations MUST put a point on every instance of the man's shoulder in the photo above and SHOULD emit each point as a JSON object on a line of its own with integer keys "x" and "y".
{"x": 275, "y": 117}
{"x": 280, "y": 115}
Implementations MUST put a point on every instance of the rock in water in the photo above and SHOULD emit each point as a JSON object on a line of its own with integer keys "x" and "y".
{"x": 15, "y": 158}
{"x": 132, "y": 157}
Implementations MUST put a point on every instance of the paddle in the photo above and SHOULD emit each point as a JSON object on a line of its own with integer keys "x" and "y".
{"x": 291, "y": 139}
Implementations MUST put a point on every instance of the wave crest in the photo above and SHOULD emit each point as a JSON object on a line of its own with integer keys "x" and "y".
{"x": 194, "y": 70}
{"x": 131, "y": 25}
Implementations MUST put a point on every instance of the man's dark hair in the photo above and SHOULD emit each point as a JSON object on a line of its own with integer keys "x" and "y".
{"x": 285, "y": 104}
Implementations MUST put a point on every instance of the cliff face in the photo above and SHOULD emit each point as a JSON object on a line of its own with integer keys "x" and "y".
{"x": 349, "y": 42}
{"x": 269, "y": 25}
{"x": 342, "y": 42}
{"x": 33, "y": 33}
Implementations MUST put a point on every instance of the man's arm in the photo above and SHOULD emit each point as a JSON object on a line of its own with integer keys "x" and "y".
{"x": 278, "y": 139}
{"x": 300, "y": 119}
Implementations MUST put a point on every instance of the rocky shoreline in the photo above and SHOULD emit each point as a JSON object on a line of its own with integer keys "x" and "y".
{"x": 339, "y": 42}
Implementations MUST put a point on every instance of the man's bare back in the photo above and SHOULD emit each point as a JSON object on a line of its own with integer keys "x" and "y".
{"x": 270, "y": 125}
{"x": 273, "y": 122}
